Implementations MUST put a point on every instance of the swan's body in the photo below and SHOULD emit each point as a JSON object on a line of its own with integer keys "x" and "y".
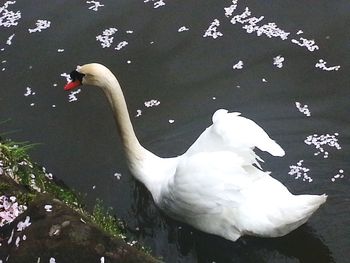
{"x": 215, "y": 185}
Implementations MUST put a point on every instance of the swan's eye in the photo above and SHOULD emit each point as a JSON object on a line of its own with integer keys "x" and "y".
{"x": 75, "y": 75}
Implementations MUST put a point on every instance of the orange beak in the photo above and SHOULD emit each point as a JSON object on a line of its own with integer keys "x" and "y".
{"x": 72, "y": 85}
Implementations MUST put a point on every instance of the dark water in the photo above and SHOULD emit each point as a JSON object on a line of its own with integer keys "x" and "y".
{"x": 191, "y": 76}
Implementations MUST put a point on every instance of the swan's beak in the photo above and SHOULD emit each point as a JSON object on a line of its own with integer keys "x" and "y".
{"x": 72, "y": 85}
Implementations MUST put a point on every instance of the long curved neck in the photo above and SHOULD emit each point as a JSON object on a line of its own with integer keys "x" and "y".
{"x": 133, "y": 149}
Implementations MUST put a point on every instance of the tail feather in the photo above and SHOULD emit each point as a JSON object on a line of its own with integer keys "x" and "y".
{"x": 305, "y": 206}
{"x": 310, "y": 203}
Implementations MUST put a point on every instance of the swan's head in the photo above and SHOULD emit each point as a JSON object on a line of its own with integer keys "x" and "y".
{"x": 89, "y": 74}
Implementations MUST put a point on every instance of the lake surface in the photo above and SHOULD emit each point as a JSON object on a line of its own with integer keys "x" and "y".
{"x": 283, "y": 64}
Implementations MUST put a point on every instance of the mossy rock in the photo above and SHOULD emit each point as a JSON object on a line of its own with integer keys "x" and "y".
{"x": 57, "y": 227}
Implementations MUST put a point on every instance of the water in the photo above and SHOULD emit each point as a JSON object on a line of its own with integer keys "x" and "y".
{"x": 191, "y": 76}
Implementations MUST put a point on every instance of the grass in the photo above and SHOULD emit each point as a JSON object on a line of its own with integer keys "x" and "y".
{"x": 16, "y": 163}
{"x": 105, "y": 220}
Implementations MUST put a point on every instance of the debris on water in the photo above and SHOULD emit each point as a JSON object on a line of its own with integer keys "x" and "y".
{"x": 238, "y": 65}
{"x": 138, "y": 113}
{"x": 300, "y": 32}
{"x": 156, "y": 4}
{"x": 94, "y": 5}
{"x": 152, "y": 103}
{"x": 171, "y": 121}
{"x": 28, "y": 92}
{"x": 250, "y": 24}
{"x": 117, "y": 175}
{"x": 320, "y": 141}
{"x": 300, "y": 172}
{"x": 128, "y": 61}
{"x": 9, "y": 18}
{"x": 212, "y": 30}
{"x": 182, "y": 29}
{"x": 73, "y": 95}
{"x": 9, "y": 40}
{"x": 339, "y": 175}
{"x": 263, "y": 80}
{"x": 229, "y": 10}
{"x": 106, "y": 38}
{"x": 52, "y": 260}
{"x": 60, "y": 50}
{"x": 40, "y": 25}
{"x": 322, "y": 65}
{"x": 129, "y": 31}
{"x": 121, "y": 45}
{"x": 278, "y": 61}
{"x": 303, "y": 109}
{"x": 310, "y": 44}
{"x": 65, "y": 75}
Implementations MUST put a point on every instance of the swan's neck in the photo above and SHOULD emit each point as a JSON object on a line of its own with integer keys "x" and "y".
{"x": 148, "y": 168}
{"x": 133, "y": 149}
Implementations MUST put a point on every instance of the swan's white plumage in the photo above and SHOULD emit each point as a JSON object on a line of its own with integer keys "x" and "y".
{"x": 216, "y": 185}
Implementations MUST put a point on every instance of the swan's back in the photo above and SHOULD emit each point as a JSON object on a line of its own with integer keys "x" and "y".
{"x": 214, "y": 193}
{"x": 218, "y": 189}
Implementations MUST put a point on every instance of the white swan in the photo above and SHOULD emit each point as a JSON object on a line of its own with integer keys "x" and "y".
{"x": 217, "y": 185}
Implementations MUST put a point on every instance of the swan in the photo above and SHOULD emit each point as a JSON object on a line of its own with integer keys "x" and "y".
{"x": 217, "y": 185}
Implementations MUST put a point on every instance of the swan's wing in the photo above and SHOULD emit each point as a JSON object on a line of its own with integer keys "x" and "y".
{"x": 204, "y": 183}
{"x": 208, "y": 192}
{"x": 232, "y": 132}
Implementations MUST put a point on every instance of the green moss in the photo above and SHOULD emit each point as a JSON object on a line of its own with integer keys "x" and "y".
{"x": 16, "y": 160}
{"x": 4, "y": 187}
{"x": 105, "y": 220}
{"x": 16, "y": 163}
{"x": 25, "y": 198}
